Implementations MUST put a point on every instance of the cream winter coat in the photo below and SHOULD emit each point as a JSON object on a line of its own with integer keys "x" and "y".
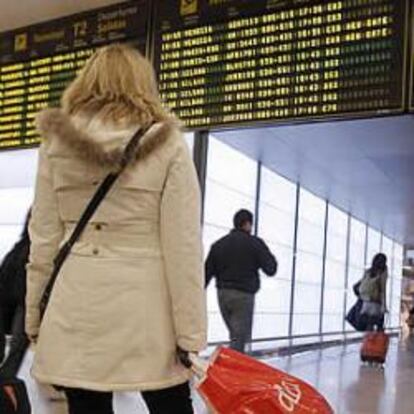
{"x": 132, "y": 289}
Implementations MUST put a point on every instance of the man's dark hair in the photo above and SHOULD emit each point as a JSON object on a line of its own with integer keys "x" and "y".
{"x": 241, "y": 218}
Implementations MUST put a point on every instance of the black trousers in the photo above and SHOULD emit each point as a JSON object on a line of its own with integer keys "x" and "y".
{"x": 375, "y": 323}
{"x": 18, "y": 343}
{"x": 237, "y": 310}
{"x": 174, "y": 400}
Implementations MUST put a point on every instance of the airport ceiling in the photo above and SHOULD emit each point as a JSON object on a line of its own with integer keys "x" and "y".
{"x": 362, "y": 166}
{"x": 19, "y": 13}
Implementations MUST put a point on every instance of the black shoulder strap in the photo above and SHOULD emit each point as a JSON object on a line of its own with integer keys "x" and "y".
{"x": 103, "y": 190}
{"x": 90, "y": 210}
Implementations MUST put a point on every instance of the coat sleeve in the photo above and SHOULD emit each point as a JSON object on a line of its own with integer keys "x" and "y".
{"x": 210, "y": 267}
{"x": 46, "y": 233}
{"x": 182, "y": 252}
{"x": 267, "y": 260}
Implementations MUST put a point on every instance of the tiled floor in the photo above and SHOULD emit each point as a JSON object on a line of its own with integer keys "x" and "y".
{"x": 336, "y": 372}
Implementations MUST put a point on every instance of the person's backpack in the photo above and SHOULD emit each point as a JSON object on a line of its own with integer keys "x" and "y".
{"x": 14, "y": 398}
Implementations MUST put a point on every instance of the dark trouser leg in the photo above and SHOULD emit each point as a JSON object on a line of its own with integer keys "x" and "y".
{"x": 375, "y": 323}
{"x": 380, "y": 323}
{"x": 226, "y": 311}
{"x": 18, "y": 344}
{"x": 237, "y": 310}
{"x": 174, "y": 400}
{"x": 370, "y": 323}
{"x": 89, "y": 402}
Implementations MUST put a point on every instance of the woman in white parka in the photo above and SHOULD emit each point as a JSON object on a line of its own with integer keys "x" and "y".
{"x": 131, "y": 292}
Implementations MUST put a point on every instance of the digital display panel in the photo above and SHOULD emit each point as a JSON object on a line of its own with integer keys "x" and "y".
{"x": 223, "y": 62}
{"x": 37, "y": 63}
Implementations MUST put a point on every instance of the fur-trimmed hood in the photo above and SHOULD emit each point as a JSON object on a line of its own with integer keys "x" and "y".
{"x": 99, "y": 143}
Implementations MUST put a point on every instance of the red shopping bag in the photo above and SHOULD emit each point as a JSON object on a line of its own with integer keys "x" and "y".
{"x": 237, "y": 384}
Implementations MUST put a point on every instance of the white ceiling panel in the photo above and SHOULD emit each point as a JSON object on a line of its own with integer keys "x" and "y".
{"x": 362, "y": 166}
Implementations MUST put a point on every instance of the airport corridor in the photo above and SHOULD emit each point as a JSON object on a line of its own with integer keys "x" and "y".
{"x": 350, "y": 387}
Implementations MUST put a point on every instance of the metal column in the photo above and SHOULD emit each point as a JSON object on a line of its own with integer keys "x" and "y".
{"x": 257, "y": 201}
{"x": 295, "y": 249}
{"x": 200, "y": 152}
{"x": 347, "y": 261}
{"x": 325, "y": 246}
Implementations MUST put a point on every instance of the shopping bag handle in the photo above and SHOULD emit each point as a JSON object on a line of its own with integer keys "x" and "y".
{"x": 198, "y": 366}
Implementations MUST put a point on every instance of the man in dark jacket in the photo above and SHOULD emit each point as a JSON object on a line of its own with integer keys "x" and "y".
{"x": 235, "y": 261}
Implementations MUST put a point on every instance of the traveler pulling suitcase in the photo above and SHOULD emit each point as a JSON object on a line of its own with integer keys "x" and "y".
{"x": 13, "y": 397}
{"x": 375, "y": 347}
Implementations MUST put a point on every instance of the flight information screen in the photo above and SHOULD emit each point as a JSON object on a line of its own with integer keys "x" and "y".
{"x": 224, "y": 62}
{"x": 37, "y": 63}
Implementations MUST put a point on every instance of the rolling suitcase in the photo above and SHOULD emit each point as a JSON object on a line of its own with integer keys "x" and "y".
{"x": 13, "y": 397}
{"x": 375, "y": 347}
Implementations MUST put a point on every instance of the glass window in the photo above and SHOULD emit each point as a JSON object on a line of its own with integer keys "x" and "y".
{"x": 311, "y": 230}
{"x": 309, "y": 268}
{"x": 335, "y": 270}
{"x": 276, "y": 226}
{"x": 231, "y": 168}
{"x": 397, "y": 271}
{"x": 230, "y": 185}
{"x": 357, "y": 243}
{"x": 387, "y": 249}
{"x": 337, "y": 234}
{"x": 9, "y": 235}
{"x": 24, "y": 164}
{"x": 189, "y": 138}
{"x": 16, "y": 193}
{"x": 373, "y": 246}
{"x": 270, "y": 325}
{"x": 14, "y": 205}
{"x": 222, "y": 202}
{"x": 309, "y": 263}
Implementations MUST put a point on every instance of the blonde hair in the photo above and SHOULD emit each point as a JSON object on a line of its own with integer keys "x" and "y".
{"x": 118, "y": 83}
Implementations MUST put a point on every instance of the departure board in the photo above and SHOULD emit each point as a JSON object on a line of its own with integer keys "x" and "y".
{"x": 224, "y": 62}
{"x": 37, "y": 63}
